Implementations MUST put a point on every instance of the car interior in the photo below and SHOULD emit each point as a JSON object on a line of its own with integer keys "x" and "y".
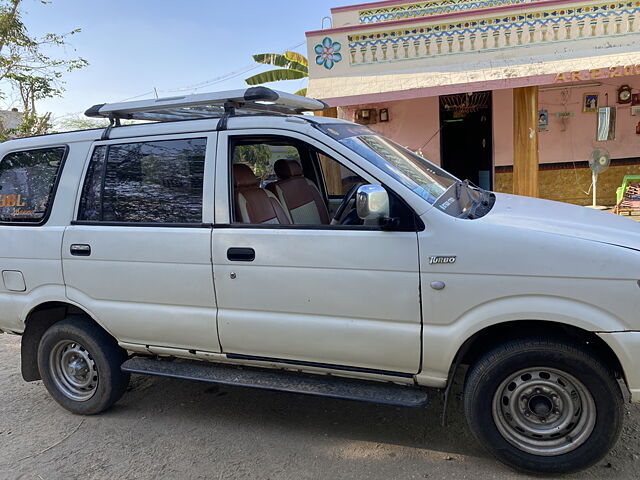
{"x": 281, "y": 181}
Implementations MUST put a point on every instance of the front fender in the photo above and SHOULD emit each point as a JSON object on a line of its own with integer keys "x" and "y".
{"x": 441, "y": 342}
{"x": 626, "y": 346}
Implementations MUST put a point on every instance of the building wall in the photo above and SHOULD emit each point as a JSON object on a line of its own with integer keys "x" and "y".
{"x": 460, "y": 46}
{"x": 564, "y": 148}
{"x": 502, "y": 127}
{"x": 413, "y": 123}
{"x": 571, "y": 183}
{"x": 578, "y": 139}
{"x": 573, "y": 141}
{"x": 10, "y": 119}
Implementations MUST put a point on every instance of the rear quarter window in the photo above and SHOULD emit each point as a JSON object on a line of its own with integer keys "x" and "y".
{"x": 27, "y": 184}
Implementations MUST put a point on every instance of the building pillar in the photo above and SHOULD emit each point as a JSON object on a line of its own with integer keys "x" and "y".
{"x": 525, "y": 141}
{"x": 331, "y": 170}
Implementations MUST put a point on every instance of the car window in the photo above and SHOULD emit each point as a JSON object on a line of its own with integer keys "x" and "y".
{"x": 283, "y": 181}
{"x": 145, "y": 182}
{"x": 338, "y": 178}
{"x": 27, "y": 183}
{"x": 414, "y": 172}
{"x": 261, "y": 157}
{"x": 257, "y": 188}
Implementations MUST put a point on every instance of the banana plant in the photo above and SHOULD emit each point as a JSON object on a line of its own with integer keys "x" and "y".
{"x": 292, "y": 65}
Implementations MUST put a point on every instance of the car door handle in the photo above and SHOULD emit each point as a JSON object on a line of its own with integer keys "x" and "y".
{"x": 239, "y": 254}
{"x": 80, "y": 249}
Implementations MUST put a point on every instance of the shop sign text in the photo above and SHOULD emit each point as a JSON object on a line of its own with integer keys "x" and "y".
{"x": 598, "y": 73}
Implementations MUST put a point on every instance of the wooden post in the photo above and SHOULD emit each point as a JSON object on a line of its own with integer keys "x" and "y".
{"x": 525, "y": 141}
{"x": 331, "y": 169}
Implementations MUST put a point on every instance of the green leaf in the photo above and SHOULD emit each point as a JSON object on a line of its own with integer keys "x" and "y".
{"x": 275, "y": 59}
{"x": 279, "y": 60}
{"x": 297, "y": 58}
{"x": 302, "y": 92}
{"x": 275, "y": 76}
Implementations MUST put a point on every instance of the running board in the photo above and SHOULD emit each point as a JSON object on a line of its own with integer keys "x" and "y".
{"x": 278, "y": 380}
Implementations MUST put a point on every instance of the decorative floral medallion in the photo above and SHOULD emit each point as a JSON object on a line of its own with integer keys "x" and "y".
{"x": 328, "y": 53}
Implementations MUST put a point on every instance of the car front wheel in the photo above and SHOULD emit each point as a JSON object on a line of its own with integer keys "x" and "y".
{"x": 543, "y": 406}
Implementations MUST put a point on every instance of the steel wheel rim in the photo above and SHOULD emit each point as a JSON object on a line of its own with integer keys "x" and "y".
{"x": 73, "y": 370}
{"x": 544, "y": 411}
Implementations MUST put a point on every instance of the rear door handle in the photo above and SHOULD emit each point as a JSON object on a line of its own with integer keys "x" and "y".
{"x": 80, "y": 249}
{"x": 240, "y": 254}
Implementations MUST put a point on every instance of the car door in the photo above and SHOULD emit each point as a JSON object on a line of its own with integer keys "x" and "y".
{"x": 31, "y": 226}
{"x": 337, "y": 297}
{"x": 138, "y": 255}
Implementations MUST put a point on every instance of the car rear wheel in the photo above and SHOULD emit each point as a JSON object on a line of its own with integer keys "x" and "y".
{"x": 80, "y": 366}
{"x": 543, "y": 406}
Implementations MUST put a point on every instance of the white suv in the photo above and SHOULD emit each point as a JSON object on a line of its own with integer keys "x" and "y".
{"x": 249, "y": 244}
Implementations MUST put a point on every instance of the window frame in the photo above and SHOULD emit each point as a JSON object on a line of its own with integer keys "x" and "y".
{"x": 54, "y": 189}
{"x": 207, "y": 184}
{"x": 225, "y": 154}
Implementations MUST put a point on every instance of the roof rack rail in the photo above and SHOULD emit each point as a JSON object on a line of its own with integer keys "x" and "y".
{"x": 208, "y": 105}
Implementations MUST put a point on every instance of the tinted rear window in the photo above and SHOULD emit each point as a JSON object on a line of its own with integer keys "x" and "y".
{"x": 27, "y": 184}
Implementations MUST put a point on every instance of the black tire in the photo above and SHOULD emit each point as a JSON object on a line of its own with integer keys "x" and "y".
{"x": 96, "y": 359}
{"x": 534, "y": 363}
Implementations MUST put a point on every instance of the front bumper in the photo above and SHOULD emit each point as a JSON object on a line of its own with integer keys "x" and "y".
{"x": 626, "y": 346}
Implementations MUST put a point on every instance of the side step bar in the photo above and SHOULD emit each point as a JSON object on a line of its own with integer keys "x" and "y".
{"x": 268, "y": 379}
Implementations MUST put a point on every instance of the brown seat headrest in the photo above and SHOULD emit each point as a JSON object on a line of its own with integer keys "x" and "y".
{"x": 243, "y": 176}
{"x": 287, "y": 168}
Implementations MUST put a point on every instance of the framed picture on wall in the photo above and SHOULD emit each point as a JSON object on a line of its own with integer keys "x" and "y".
{"x": 543, "y": 120}
{"x": 590, "y": 102}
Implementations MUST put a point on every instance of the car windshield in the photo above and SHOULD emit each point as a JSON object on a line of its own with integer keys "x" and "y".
{"x": 416, "y": 173}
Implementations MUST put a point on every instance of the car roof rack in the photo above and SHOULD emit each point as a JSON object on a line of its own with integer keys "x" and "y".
{"x": 254, "y": 100}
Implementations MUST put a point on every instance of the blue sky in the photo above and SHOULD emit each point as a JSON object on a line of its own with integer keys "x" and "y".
{"x": 135, "y": 45}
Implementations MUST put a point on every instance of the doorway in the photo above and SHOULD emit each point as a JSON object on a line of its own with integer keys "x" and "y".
{"x": 466, "y": 137}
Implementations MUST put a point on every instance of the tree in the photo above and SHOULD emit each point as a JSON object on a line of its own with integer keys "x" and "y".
{"x": 293, "y": 66}
{"x": 257, "y": 156}
{"x": 27, "y": 73}
{"x": 78, "y": 121}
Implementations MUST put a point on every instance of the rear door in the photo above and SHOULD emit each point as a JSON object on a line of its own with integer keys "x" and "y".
{"x": 138, "y": 255}
{"x": 31, "y": 229}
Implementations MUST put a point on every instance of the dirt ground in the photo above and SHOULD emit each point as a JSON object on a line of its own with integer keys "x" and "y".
{"x": 166, "y": 428}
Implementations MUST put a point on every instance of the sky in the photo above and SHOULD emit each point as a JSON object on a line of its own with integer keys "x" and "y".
{"x": 134, "y": 46}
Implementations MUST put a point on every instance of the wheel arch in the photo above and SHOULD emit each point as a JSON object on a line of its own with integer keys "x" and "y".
{"x": 493, "y": 335}
{"x": 36, "y": 322}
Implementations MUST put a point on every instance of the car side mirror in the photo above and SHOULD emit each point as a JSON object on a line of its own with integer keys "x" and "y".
{"x": 372, "y": 203}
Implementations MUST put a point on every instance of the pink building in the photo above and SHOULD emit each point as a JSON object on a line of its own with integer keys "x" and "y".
{"x": 508, "y": 93}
